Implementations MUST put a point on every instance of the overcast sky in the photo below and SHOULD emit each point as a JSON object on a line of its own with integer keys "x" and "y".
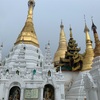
{"x": 47, "y": 19}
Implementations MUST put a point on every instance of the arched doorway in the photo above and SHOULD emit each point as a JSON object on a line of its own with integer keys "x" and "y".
{"x": 14, "y": 93}
{"x": 48, "y": 93}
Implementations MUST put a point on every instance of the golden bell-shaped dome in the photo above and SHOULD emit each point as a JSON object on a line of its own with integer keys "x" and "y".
{"x": 89, "y": 52}
{"x": 28, "y": 35}
{"x": 62, "y": 48}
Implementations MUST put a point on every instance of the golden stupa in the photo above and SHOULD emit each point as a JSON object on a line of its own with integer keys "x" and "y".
{"x": 62, "y": 48}
{"x": 28, "y": 35}
{"x": 89, "y": 52}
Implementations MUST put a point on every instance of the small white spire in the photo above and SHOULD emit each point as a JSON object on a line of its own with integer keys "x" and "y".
{"x": 47, "y": 58}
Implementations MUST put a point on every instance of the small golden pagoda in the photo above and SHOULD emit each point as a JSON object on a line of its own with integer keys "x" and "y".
{"x": 89, "y": 52}
{"x": 62, "y": 48}
{"x": 28, "y": 35}
{"x": 73, "y": 61}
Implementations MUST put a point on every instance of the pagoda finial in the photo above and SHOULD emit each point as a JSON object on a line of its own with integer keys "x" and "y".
{"x": 28, "y": 35}
{"x": 94, "y": 31}
{"x": 97, "y": 41}
{"x": 86, "y": 29}
{"x": 61, "y": 26}
{"x": 93, "y": 26}
{"x": 92, "y": 19}
{"x": 31, "y": 5}
{"x": 31, "y": 2}
{"x": 70, "y": 32}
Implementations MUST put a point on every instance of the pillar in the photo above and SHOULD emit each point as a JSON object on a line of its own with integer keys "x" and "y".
{"x": 6, "y": 94}
{"x": 87, "y": 94}
{"x": 62, "y": 91}
{"x": 41, "y": 94}
{"x": 57, "y": 94}
{"x": 22, "y": 94}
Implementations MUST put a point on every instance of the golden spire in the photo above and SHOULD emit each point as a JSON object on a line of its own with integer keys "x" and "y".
{"x": 97, "y": 41}
{"x": 89, "y": 53}
{"x": 62, "y": 48}
{"x": 28, "y": 35}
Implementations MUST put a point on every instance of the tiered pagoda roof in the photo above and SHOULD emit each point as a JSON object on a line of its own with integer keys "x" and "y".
{"x": 73, "y": 60}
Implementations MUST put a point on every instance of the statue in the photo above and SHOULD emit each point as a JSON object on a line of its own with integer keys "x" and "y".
{"x": 49, "y": 73}
{"x": 16, "y": 95}
{"x": 48, "y": 94}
